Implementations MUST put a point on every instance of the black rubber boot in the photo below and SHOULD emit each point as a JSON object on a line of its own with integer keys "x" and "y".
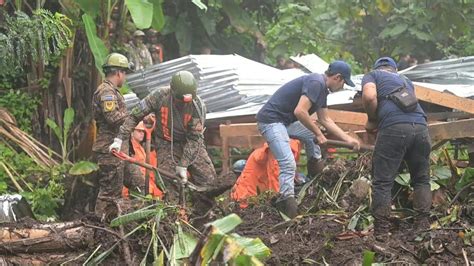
{"x": 381, "y": 223}
{"x": 288, "y": 206}
{"x": 315, "y": 166}
{"x": 422, "y": 204}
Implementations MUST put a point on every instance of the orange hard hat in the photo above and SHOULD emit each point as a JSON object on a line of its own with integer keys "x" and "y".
{"x": 140, "y": 126}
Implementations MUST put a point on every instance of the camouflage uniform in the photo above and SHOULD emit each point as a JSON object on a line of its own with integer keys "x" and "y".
{"x": 185, "y": 141}
{"x": 139, "y": 55}
{"x": 109, "y": 113}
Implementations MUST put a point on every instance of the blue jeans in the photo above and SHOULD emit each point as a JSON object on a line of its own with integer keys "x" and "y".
{"x": 298, "y": 131}
{"x": 278, "y": 140}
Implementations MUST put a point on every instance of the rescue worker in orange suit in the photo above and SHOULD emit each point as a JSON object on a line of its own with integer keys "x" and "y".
{"x": 260, "y": 173}
{"x": 137, "y": 151}
{"x": 179, "y": 129}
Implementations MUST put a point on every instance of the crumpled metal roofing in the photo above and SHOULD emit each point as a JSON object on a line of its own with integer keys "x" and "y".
{"x": 232, "y": 85}
{"x": 225, "y": 81}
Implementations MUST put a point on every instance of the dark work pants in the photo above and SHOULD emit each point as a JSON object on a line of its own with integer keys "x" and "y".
{"x": 409, "y": 142}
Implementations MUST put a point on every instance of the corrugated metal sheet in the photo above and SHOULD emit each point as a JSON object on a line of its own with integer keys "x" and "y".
{"x": 232, "y": 85}
{"x": 225, "y": 81}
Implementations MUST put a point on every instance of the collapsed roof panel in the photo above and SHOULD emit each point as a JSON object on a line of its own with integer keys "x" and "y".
{"x": 232, "y": 85}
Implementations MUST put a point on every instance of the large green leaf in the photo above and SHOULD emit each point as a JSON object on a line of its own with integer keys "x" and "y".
{"x": 238, "y": 17}
{"x": 252, "y": 246}
{"x": 368, "y": 258}
{"x": 466, "y": 178}
{"x": 97, "y": 46}
{"x": 90, "y": 7}
{"x": 183, "y": 245}
{"x": 134, "y": 216}
{"x": 158, "y": 20}
{"x": 55, "y": 128}
{"x": 393, "y": 32}
{"x": 212, "y": 246}
{"x": 425, "y": 36}
{"x": 68, "y": 119}
{"x": 83, "y": 168}
{"x": 403, "y": 179}
{"x": 208, "y": 21}
{"x": 141, "y": 12}
{"x": 227, "y": 224}
{"x": 183, "y": 33}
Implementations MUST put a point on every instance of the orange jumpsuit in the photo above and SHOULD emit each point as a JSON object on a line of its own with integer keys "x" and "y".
{"x": 140, "y": 155}
{"x": 260, "y": 173}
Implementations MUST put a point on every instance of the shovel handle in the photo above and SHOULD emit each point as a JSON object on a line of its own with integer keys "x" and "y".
{"x": 169, "y": 175}
{"x": 338, "y": 143}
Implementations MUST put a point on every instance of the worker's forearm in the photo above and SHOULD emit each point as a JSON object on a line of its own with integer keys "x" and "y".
{"x": 371, "y": 109}
{"x": 335, "y": 130}
{"x": 306, "y": 120}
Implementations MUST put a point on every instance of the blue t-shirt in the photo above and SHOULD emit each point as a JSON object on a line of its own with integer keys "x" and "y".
{"x": 281, "y": 106}
{"x": 388, "y": 112}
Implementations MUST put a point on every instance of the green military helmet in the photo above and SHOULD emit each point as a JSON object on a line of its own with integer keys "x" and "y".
{"x": 116, "y": 60}
{"x": 183, "y": 83}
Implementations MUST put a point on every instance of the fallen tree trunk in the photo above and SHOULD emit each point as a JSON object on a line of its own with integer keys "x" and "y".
{"x": 47, "y": 238}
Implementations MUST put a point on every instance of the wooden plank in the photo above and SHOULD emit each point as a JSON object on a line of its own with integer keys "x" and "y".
{"x": 451, "y": 130}
{"x": 347, "y": 117}
{"x": 441, "y": 116}
{"x": 235, "y": 130}
{"x": 444, "y": 99}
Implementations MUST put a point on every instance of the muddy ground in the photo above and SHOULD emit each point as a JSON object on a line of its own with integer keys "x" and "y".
{"x": 314, "y": 239}
{"x": 319, "y": 235}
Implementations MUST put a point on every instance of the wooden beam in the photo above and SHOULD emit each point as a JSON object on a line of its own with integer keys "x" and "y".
{"x": 236, "y": 130}
{"x": 451, "y": 130}
{"x": 440, "y": 116}
{"x": 347, "y": 117}
{"x": 444, "y": 99}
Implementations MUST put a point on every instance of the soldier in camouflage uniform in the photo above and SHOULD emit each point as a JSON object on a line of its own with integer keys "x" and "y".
{"x": 180, "y": 117}
{"x": 109, "y": 113}
{"x": 138, "y": 52}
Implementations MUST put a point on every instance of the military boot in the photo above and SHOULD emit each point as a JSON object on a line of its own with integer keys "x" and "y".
{"x": 288, "y": 206}
{"x": 422, "y": 204}
{"x": 315, "y": 166}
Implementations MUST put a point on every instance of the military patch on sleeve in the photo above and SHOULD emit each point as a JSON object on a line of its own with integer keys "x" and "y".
{"x": 108, "y": 98}
{"x": 109, "y": 106}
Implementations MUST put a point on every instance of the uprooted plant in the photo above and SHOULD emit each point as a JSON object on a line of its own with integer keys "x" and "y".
{"x": 173, "y": 240}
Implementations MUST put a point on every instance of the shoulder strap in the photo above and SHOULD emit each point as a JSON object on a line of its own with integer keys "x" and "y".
{"x": 200, "y": 108}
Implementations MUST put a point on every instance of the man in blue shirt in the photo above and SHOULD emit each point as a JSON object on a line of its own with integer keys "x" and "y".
{"x": 402, "y": 136}
{"x": 296, "y": 101}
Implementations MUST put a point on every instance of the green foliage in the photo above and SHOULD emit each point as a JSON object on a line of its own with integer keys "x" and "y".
{"x": 97, "y": 46}
{"x": 83, "y": 168}
{"x": 368, "y": 258}
{"x": 467, "y": 178}
{"x": 22, "y": 164}
{"x": 21, "y": 105}
{"x": 236, "y": 250}
{"x": 141, "y": 12}
{"x": 32, "y": 39}
{"x": 62, "y": 134}
{"x": 364, "y": 30}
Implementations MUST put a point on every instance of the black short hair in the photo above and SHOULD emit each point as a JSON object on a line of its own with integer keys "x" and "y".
{"x": 111, "y": 71}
